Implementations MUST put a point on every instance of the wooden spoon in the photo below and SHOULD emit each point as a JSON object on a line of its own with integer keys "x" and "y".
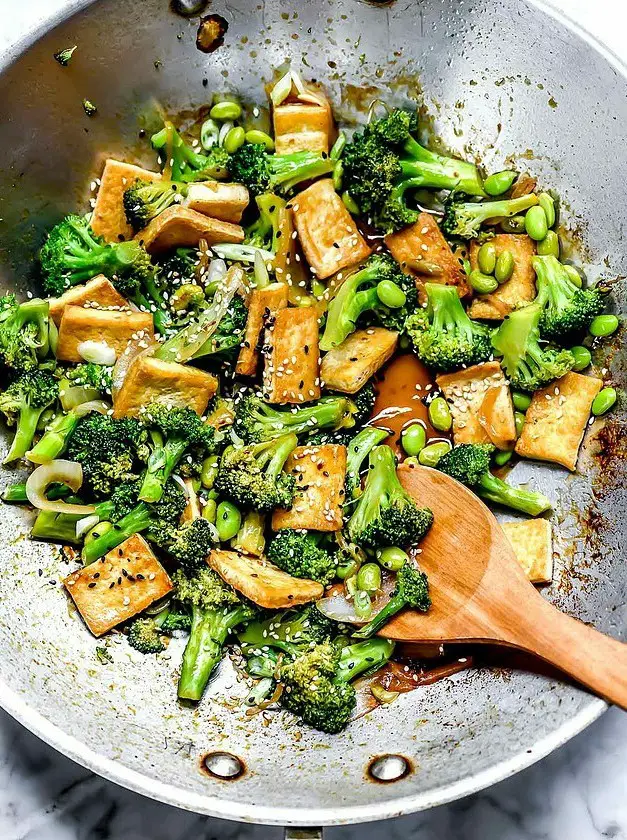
{"x": 481, "y": 594}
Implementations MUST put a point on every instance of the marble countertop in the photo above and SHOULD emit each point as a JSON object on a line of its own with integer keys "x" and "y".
{"x": 578, "y": 791}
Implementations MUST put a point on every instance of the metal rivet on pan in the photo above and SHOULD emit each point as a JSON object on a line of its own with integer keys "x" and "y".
{"x": 189, "y": 8}
{"x": 223, "y": 765}
{"x": 389, "y": 768}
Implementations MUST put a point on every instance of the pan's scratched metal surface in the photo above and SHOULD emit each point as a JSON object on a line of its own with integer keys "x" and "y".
{"x": 501, "y": 78}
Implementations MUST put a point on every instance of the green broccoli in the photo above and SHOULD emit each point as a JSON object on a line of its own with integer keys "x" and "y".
{"x": 567, "y": 310}
{"x": 443, "y": 336}
{"x": 24, "y": 333}
{"x": 228, "y": 335}
{"x": 55, "y": 438}
{"x": 60, "y": 527}
{"x": 528, "y": 366}
{"x": 385, "y": 515}
{"x": 145, "y": 635}
{"x": 217, "y": 610}
{"x": 22, "y": 404}
{"x": 182, "y": 163}
{"x": 469, "y": 463}
{"x": 302, "y": 554}
{"x": 192, "y": 544}
{"x": 464, "y": 219}
{"x": 293, "y": 632}
{"x": 91, "y": 375}
{"x": 411, "y": 590}
{"x": 357, "y": 450}
{"x": 264, "y": 232}
{"x": 256, "y": 421}
{"x": 179, "y": 267}
{"x": 145, "y": 200}
{"x": 252, "y": 476}
{"x": 262, "y": 172}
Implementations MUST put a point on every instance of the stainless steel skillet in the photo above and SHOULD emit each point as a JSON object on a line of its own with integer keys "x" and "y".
{"x": 499, "y": 78}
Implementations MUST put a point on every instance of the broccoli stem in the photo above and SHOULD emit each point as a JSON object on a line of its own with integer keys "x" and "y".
{"x": 440, "y": 172}
{"x": 17, "y": 492}
{"x": 161, "y": 463}
{"x": 358, "y": 450}
{"x": 346, "y": 307}
{"x": 393, "y": 606}
{"x": 494, "y": 490}
{"x": 448, "y": 313}
{"x": 60, "y": 527}
{"x": 287, "y": 171}
{"x": 361, "y": 657}
{"x": 54, "y": 439}
{"x": 25, "y": 432}
{"x": 139, "y": 519}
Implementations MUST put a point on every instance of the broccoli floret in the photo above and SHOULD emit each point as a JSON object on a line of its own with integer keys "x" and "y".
{"x": 252, "y": 476}
{"x": 256, "y": 421}
{"x": 228, "y": 334}
{"x": 192, "y": 544}
{"x": 357, "y": 450}
{"x": 175, "y": 432}
{"x": 370, "y": 169}
{"x": 443, "y": 336}
{"x": 264, "y": 233}
{"x": 358, "y": 294}
{"x": 182, "y": 163}
{"x": 317, "y": 684}
{"x": 385, "y": 514}
{"x": 109, "y": 450}
{"x": 300, "y": 554}
{"x": 91, "y": 375}
{"x": 364, "y": 401}
{"x": 23, "y": 403}
{"x": 292, "y": 632}
{"x": 145, "y": 636}
{"x": 469, "y": 463}
{"x": 528, "y": 365}
{"x": 216, "y": 611}
{"x": 144, "y": 200}
{"x": 262, "y": 172}
{"x": 24, "y": 333}
{"x": 174, "y": 621}
{"x": 567, "y": 310}
{"x": 464, "y": 219}
{"x": 220, "y": 412}
{"x": 411, "y": 590}
{"x": 179, "y": 267}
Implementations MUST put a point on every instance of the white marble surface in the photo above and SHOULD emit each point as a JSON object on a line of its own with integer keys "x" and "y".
{"x": 578, "y": 792}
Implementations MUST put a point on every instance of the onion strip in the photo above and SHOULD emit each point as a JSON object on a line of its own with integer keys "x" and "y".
{"x": 56, "y": 472}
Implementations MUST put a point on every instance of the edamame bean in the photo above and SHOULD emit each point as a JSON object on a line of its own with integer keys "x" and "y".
{"x": 209, "y": 471}
{"x": 546, "y": 202}
{"x": 521, "y": 401}
{"x": 347, "y": 570}
{"x": 486, "y": 258}
{"x": 573, "y": 275}
{"x": 413, "y": 439}
{"x": 431, "y": 454}
{"x": 209, "y": 134}
{"x": 226, "y": 111}
{"x": 550, "y": 245}
{"x": 499, "y": 182}
{"x": 604, "y": 325}
{"x": 535, "y": 223}
{"x": 338, "y": 175}
{"x": 390, "y": 294}
{"x": 392, "y": 558}
{"x": 228, "y": 521}
{"x": 583, "y": 357}
{"x": 260, "y": 138}
{"x": 362, "y": 604}
{"x": 209, "y": 511}
{"x": 501, "y": 458}
{"x": 350, "y": 203}
{"x": 234, "y": 139}
{"x": 338, "y": 146}
{"x": 369, "y": 577}
{"x": 97, "y": 531}
{"x": 519, "y": 420}
{"x": 440, "y": 414}
{"x": 603, "y": 401}
{"x": 484, "y": 284}
{"x": 504, "y": 267}
{"x": 514, "y": 225}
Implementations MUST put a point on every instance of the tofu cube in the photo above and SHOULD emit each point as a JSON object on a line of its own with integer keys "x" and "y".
{"x": 169, "y": 383}
{"x": 99, "y": 292}
{"x": 105, "y": 326}
{"x": 518, "y": 290}
{"x": 480, "y": 404}
{"x": 422, "y": 251}
{"x": 291, "y": 369}
{"x": 557, "y": 418}
{"x": 221, "y": 201}
{"x": 533, "y": 546}
{"x": 349, "y": 366}
{"x": 108, "y": 218}
{"x": 328, "y": 235}
{"x": 320, "y": 472}
{"x": 118, "y": 586}
{"x": 181, "y": 227}
{"x": 300, "y": 127}
{"x": 263, "y": 305}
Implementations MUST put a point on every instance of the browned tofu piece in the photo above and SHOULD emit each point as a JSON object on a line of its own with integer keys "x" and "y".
{"x": 99, "y": 292}
{"x": 181, "y": 227}
{"x": 169, "y": 383}
{"x": 348, "y": 367}
{"x": 328, "y": 235}
{"x": 320, "y": 472}
{"x": 480, "y": 404}
{"x": 291, "y": 369}
{"x": 109, "y": 219}
{"x": 422, "y": 251}
{"x": 263, "y": 304}
{"x": 262, "y": 582}
{"x": 557, "y": 418}
{"x": 106, "y": 326}
{"x": 118, "y": 586}
{"x": 300, "y": 127}
{"x": 519, "y": 289}
{"x": 533, "y": 546}
{"x": 221, "y": 201}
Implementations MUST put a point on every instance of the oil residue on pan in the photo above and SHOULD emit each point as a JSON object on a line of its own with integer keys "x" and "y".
{"x": 211, "y": 33}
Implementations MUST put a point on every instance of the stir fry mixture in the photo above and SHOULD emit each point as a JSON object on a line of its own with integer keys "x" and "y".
{"x": 196, "y": 395}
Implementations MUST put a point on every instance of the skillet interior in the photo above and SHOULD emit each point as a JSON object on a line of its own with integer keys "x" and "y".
{"x": 492, "y": 85}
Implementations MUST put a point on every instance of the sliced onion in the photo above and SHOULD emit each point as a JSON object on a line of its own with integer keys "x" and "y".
{"x": 216, "y": 271}
{"x": 100, "y": 406}
{"x": 338, "y": 607}
{"x": 72, "y": 396}
{"x": 98, "y": 352}
{"x": 86, "y": 524}
{"x": 382, "y": 695}
{"x": 281, "y": 89}
{"x": 56, "y": 472}
{"x": 181, "y": 483}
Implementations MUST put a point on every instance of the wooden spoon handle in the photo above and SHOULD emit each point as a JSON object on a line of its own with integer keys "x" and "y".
{"x": 593, "y": 659}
